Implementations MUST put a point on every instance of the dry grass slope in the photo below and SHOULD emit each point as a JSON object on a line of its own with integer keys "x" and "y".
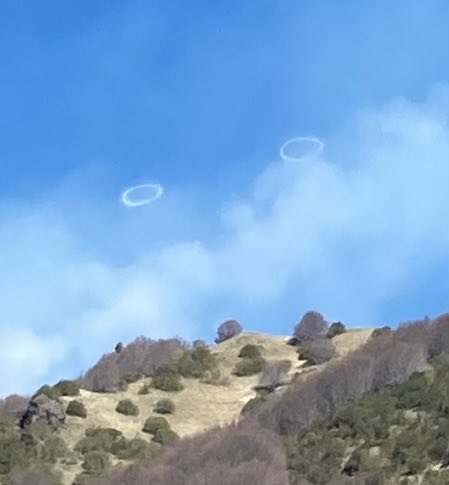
{"x": 200, "y": 406}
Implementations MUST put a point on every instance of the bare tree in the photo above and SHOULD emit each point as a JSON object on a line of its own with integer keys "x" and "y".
{"x": 238, "y": 453}
{"x": 274, "y": 375}
{"x": 142, "y": 356}
{"x": 13, "y": 405}
{"x": 317, "y": 351}
{"x": 227, "y": 330}
{"x": 379, "y": 363}
{"x": 311, "y": 326}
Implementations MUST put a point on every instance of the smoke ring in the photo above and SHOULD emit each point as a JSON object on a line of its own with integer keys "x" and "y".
{"x": 314, "y": 141}
{"x": 129, "y": 202}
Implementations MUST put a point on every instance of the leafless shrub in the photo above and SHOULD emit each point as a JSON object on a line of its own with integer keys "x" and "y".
{"x": 227, "y": 330}
{"x": 379, "y": 363}
{"x": 222, "y": 456}
{"x": 439, "y": 338}
{"x": 36, "y": 475}
{"x": 215, "y": 377}
{"x": 317, "y": 351}
{"x": 311, "y": 326}
{"x": 103, "y": 376}
{"x": 13, "y": 405}
{"x": 274, "y": 375}
{"x": 142, "y": 356}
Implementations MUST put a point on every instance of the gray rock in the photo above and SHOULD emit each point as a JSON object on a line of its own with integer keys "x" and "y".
{"x": 45, "y": 409}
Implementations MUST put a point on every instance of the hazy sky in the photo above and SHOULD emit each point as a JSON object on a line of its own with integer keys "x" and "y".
{"x": 199, "y": 96}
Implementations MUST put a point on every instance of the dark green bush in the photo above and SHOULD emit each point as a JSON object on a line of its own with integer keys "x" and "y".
{"x": 252, "y": 405}
{"x": 164, "y": 436}
{"x": 46, "y": 445}
{"x": 164, "y": 406}
{"x": 406, "y": 445}
{"x": 37, "y": 444}
{"x": 67, "y": 388}
{"x": 49, "y": 391}
{"x": 196, "y": 362}
{"x": 379, "y": 332}
{"x": 130, "y": 378}
{"x": 96, "y": 462}
{"x": 413, "y": 392}
{"x": 127, "y": 407}
{"x": 166, "y": 378}
{"x": 438, "y": 448}
{"x": 336, "y": 328}
{"x": 13, "y": 452}
{"x": 248, "y": 367}
{"x": 153, "y": 423}
{"x": 136, "y": 449}
{"x": 250, "y": 351}
{"x": 98, "y": 439}
{"x": 76, "y": 408}
{"x": 145, "y": 389}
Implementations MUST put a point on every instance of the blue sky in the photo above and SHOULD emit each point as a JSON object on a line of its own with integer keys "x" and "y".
{"x": 199, "y": 96}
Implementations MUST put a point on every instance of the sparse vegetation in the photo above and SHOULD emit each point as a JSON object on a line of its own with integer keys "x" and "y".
{"x": 98, "y": 439}
{"x": 164, "y": 406}
{"x": 377, "y": 415}
{"x": 127, "y": 407}
{"x": 76, "y": 408}
{"x": 167, "y": 378}
{"x": 380, "y": 432}
{"x": 196, "y": 362}
{"x": 96, "y": 462}
{"x": 214, "y": 377}
{"x": 135, "y": 449}
{"x": 235, "y": 454}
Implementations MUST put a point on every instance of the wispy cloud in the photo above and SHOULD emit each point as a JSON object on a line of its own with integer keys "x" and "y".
{"x": 345, "y": 240}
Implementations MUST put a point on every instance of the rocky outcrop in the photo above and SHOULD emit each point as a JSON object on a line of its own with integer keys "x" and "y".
{"x": 45, "y": 409}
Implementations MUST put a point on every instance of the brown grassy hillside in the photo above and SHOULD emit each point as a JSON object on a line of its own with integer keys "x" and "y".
{"x": 199, "y": 406}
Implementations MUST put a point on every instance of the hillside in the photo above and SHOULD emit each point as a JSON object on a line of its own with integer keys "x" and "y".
{"x": 217, "y": 397}
{"x": 199, "y": 406}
